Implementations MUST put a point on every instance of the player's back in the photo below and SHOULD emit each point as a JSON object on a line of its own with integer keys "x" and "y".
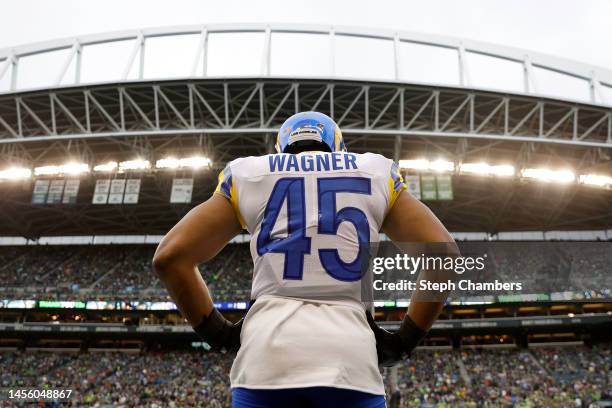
{"x": 313, "y": 217}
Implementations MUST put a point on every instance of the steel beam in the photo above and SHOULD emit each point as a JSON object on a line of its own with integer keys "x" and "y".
{"x": 176, "y": 107}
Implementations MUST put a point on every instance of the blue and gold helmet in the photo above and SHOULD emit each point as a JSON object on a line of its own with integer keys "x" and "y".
{"x": 314, "y": 126}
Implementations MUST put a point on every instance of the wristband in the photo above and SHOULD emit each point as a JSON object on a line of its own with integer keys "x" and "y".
{"x": 216, "y": 330}
{"x": 410, "y": 334}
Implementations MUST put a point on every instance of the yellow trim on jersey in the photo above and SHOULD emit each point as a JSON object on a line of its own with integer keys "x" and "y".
{"x": 337, "y": 138}
{"x": 234, "y": 200}
{"x": 220, "y": 179}
{"x": 233, "y": 197}
{"x": 393, "y": 194}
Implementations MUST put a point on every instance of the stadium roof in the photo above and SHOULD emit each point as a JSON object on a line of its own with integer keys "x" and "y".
{"x": 390, "y": 110}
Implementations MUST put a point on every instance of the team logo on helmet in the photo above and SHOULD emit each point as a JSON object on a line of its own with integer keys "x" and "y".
{"x": 310, "y": 125}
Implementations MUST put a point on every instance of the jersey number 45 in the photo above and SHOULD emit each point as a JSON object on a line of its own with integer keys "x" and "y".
{"x": 295, "y": 245}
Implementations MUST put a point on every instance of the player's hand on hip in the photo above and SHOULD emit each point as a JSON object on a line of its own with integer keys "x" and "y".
{"x": 220, "y": 333}
{"x": 391, "y": 348}
{"x": 388, "y": 345}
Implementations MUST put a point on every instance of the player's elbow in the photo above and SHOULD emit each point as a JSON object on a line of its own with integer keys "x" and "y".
{"x": 165, "y": 260}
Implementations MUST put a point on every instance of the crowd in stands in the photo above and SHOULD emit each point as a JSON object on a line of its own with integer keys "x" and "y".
{"x": 124, "y": 271}
{"x": 430, "y": 378}
{"x": 507, "y": 378}
{"x": 553, "y": 266}
{"x": 510, "y": 378}
{"x": 576, "y": 377}
{"x": 586, "y": 372}
{"x": 111, "y": 272}
{"x": 120, "y": 379}
{"x": 24, "y": 267}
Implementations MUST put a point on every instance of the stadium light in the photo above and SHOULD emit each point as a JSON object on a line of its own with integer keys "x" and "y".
{"x": 504, "y": 170}
{"x": 106, "y": 167}
{"x": 15, "y": 173}
{"x": 596, "y": 180}
{"x": 194, "y": 162}
{"x": 46, "y": 170}
{"x": 167, "y": 163}
{"x": 74, "y": 168}
{"x": 136, "y": 164}
{"x": 548, "y": 175}
{"x": 419, "y": 164}
{"x": 439, "y": 165}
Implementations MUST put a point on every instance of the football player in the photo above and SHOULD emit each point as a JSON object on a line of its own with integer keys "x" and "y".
{"x": 313, "y": 211}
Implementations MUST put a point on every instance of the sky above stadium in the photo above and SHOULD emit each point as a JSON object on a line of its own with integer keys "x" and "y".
{"x": 577, "y": 30}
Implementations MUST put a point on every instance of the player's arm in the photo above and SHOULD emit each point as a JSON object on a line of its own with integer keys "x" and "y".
{"x": 410, "y": 222}
{"x": 197, "y": 238}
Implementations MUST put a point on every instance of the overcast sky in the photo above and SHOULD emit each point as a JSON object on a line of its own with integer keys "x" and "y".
{"x": 579, "y": 30}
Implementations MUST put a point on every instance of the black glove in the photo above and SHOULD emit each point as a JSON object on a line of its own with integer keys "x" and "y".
{"x": 391, "y": 347}
{"x": 219, "y": 332}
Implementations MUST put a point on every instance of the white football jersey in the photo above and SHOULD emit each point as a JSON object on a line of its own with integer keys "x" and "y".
{"x": 313, "y": 218}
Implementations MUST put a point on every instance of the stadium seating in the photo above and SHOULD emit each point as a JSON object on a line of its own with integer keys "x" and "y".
{"x": 464, "y": 378}
{"x": 124, "y": 271}
{"x": 507, "y": 377}
{"x": 109, "y": 272}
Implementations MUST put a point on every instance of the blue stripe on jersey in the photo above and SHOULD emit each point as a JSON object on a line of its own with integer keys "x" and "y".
{"x": 397, "y": 178}
{"x": 226, "y": 184}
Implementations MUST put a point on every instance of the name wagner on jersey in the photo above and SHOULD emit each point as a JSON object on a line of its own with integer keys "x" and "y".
{"x": 312, "y": 162}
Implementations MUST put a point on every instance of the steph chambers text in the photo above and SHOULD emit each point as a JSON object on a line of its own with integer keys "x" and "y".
{"x": 464, "y": 284}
